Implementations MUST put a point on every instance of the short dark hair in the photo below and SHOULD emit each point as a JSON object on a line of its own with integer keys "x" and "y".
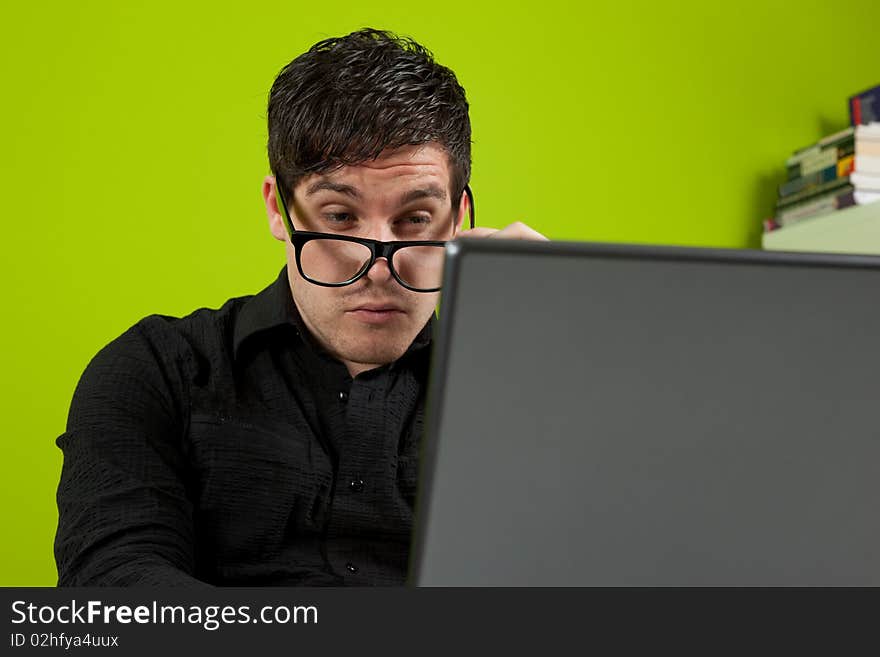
{"x": 349, "y": 98}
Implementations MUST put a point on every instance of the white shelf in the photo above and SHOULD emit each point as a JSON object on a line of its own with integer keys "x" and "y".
{"x": 852, "y": 230}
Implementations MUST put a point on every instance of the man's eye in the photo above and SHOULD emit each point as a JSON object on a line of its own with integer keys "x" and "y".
{"x": 417, "y": 219}
{"x": 337, "y": 217}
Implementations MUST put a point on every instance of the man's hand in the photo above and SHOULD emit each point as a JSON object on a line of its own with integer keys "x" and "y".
{"x": 515, "y": 231}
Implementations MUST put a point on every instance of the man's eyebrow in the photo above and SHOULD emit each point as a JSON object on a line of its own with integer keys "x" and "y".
{"x": 431, "y": 191}
{"x": 322, "y": 185}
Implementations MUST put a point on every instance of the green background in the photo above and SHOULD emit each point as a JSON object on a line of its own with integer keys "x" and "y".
{"x": 134, "y": 149}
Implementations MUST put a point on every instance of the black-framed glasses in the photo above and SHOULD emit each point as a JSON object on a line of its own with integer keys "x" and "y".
{"x": 337, "y": 260}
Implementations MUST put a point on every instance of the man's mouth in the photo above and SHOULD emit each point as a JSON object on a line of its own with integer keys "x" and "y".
{"x": 376, "y": 313}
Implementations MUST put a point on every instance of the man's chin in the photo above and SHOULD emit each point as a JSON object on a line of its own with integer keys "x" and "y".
{"x": 373, "y": 343}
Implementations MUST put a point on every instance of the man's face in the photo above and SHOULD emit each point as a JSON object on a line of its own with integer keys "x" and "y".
{"x": 402, "y": 195}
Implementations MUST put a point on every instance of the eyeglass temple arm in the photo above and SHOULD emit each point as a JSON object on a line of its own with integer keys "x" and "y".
{"x": 279, "y": 195}
{"x": 470, "y": 195}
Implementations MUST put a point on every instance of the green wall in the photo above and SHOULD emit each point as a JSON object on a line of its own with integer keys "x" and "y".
{"x": 134, "y": 149}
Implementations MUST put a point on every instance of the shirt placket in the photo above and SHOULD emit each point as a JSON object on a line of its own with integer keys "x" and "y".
{"x": 362, "y": 466}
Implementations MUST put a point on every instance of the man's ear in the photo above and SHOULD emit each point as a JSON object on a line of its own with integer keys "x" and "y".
{"x": 464, "y": 208}
{"x": 276, "y": 221}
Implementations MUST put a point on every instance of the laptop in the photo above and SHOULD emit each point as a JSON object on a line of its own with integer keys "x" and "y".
{"x": 624, "y": 415}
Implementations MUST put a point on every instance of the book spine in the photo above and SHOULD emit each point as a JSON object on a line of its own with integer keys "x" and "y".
{"x": 870, "y": 148}
{"x": 868, "y": 165}
{"x": 840, "y": 191}
{"x": 815, "y": 150}
{"x": 866, "y": 197}
{"x": 838, "y": 170}
{"x": 823, "y": 205}
{"x": 865, "y": 107}
{"x": 812, "y": 192}
{"x": 770, "y": 225}
{"x": 864, "y": 181}
{"x": 822, "y": 160}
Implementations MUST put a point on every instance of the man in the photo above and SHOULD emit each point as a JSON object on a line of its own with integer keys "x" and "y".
{"x": 275, "y": 441}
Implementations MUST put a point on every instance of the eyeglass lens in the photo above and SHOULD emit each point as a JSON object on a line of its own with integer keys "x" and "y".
{"x": 339, "y": 261}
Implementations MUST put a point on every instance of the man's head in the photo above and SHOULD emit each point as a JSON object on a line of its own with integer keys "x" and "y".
{"x": 368, "y": 137}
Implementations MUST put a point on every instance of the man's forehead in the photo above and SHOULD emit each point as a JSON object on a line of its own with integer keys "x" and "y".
{"x": 407, "y": 191}
{"x": 425, "y": 166}
{"x": 432, "y": 152}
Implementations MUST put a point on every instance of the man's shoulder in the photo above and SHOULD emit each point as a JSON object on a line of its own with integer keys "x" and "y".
{"x": 216, "y": 330}
{"x": 199, "y": 346}
{"x": 200, "y": 337}
{"x": 201, "y": 324}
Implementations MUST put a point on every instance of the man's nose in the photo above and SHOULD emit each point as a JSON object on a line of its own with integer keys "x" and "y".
{"x": 380, "y": 272}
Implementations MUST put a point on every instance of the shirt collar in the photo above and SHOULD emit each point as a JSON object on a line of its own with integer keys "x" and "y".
{"x": 274, "y": 307}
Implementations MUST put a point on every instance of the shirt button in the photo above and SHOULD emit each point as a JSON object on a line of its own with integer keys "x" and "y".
{"x": 343, "y": 396}
{"x": 356, "y": 485}
{"x": 350, "y": 567}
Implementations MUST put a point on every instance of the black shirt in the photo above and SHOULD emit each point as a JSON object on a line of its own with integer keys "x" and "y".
{"x": 227, "y": 448}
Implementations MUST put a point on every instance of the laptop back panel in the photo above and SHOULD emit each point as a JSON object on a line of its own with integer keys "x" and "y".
{"x": 613, "y": 415}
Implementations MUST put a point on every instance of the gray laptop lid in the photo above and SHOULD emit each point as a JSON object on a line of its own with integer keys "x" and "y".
{"x": 622, "y": 415}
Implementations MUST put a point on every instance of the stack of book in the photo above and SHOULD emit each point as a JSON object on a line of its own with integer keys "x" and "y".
{"x": 839, "y": 171}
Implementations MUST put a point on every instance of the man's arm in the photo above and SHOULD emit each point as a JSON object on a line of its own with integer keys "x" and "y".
{"x": 124, "y": 514}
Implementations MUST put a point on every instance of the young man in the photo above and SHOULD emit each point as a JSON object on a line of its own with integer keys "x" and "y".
{"x": 275, "y": 441}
